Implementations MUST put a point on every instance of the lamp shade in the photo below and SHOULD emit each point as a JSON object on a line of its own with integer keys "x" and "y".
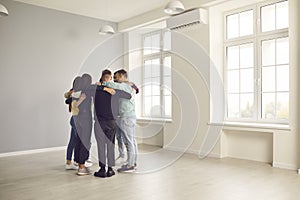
{"x": 106, "y": 30}
{"x": 174, "y": 7}
{"x": 3, "y": 11}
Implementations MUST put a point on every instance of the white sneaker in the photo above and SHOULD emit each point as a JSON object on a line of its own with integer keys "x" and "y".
{"x": 71, "y": 166}
{"x": 88, "y": 164}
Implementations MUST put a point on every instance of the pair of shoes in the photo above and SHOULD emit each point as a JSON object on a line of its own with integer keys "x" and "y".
{"x": 126, "y": 168}
{"x": 83, "y": 171}
{"x": 71, "y": 166}
{"x": 102, "y": 174}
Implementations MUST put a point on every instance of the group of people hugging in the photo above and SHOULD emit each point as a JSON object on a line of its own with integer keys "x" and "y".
{"x": 108, "y": 106}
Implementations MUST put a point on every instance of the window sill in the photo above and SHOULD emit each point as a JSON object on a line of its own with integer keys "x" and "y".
{"x": 265, "y": 127}
{"x": 153, "y": 120}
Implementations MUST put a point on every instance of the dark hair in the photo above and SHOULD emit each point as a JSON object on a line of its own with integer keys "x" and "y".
{"x": 122, "y": 72}
{"x": 105, "y": 72}
{"x": 77, "y": 84}
{"x": 87, "y": 80}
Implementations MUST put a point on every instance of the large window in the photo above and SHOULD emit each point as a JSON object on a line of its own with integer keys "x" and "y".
{"x": 157, "y": 96}
{"x": 257, "y": 63}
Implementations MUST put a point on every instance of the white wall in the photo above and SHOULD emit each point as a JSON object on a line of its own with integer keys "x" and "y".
{"x": 41, "y": 52}
{"x": 272, "y": 145}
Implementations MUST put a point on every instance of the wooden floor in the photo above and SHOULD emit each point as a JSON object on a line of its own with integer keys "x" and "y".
{"x": 42, "y": 176}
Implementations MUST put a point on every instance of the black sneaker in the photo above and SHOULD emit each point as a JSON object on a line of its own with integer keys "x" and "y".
{"x": 110, "y": 173}
{"x": 101, "y": 173}
{"x": 126, "y": 168}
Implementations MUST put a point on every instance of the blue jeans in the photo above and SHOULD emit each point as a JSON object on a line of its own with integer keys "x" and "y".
{"x": 72, "y": 141}
{"x": 119, "y": 138}
{"x": 127, "y": 125}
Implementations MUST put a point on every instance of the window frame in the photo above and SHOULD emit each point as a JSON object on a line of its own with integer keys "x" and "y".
{"x": 161, "y": 55}
{"x": 256, "y": 38}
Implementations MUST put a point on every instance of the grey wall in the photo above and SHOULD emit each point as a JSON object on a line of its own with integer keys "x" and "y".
{"x": 41, "y": 51}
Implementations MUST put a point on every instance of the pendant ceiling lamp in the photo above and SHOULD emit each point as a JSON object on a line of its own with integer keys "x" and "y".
{"x": 106, "y": 30}
{"x": 174, "y": 7}
{"x": 3, "y": 11}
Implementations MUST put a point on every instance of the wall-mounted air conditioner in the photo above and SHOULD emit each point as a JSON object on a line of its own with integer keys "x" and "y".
{"x": 189, "y": 18}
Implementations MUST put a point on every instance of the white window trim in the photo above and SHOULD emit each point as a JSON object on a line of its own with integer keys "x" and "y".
{"x": 257, "y": 37}
{"x": 161, "y": 55}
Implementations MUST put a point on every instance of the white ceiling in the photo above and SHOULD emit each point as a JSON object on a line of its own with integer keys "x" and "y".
{"x": 110, "y": 10}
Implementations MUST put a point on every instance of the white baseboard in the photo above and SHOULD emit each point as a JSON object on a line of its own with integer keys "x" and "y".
{"x": 191, "y": 151}
{"x": 285, "y": 166}
{"x": 18, "y": 153}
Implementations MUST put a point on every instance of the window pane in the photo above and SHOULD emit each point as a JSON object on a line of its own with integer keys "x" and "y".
{"x": 167, "y": 85}
{"x": 232, "y": 26}
{"x": 233, "y": 105}
{"x": 167, "y": 105}
{"x": 282, "y": 51}
{"x": 268, "y": 79}
{"x": 155, "y": 43}
{"x": 247, "y": 83}
{"x": 268, "y": 105}
{"x": 246, "y": 55}
{"x": 283, "y": 78}
{"x": 233, "y": 80}
{"x": 268, "y": 18}
{"x": 147, "y": 106}
{"x": 233, "y": 57}
{"x": 167, "y": 41}
{"x": 147, "y": 69}
{"x": 282, "y": 107}
{"x": 155, "y": 68}
{"x": 282, "y": 15}
{"x": 156, "y": 107}
{"x": 268, "y": 52}
{"x": 247, "y": 105}
{"x": 155, "y": 89}
{"x": 147, "y": 45}
{"x": 156, "y": 81}
{"x": 246, "y": 23}
{"x": 147, "y": 89}
{"x": 167, "y": 66}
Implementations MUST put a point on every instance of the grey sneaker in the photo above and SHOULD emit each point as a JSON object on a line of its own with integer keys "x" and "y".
{"x": 126, "y": 168}
{"x": 83, "y": 171}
